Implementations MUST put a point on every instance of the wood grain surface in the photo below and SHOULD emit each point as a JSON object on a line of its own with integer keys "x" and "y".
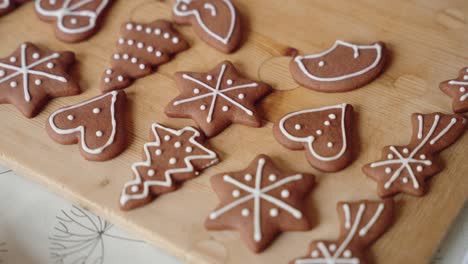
{"x": 428, "y": 42}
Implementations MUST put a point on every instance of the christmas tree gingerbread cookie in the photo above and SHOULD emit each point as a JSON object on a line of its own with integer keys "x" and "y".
{"x": 97, "y": 125}
{"x": 172, "y": 157}
{"x": 260, "y": 202}
{"x": 30, "y": 76}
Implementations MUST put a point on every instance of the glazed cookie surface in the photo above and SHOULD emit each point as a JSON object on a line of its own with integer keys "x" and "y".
{"x": 75, "y": 20}
{"x": 457, "y": 89}
{"x": 260, "y": 202}
{"x": 341, "y": 68}
{"x": 405, "y": 168}
{"x": 97, "y": 125}
{"x": 140, "y": 48}
{"x": 215, "y": 21}
{"x": 30, "y": 76}
{"x": 361, "y": 223}
{"x": 216, "y": 99}
{"x": 324, "y": 133}
{"x": 172, "y": 156}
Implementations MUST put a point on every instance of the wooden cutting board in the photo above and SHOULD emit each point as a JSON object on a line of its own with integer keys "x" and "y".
{"x": 428, "y": 41}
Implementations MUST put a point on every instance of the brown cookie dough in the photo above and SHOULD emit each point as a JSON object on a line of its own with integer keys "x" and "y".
{"x": 172, "y": 156}
{"x": 405, "y": 168}
{"x": 215, "y": 21}
{"x": 75, "y": 20}
{"x": 140, "y": 48}
{"x": 457, "y": 89}
{"x": 217, "y": 99}
{"x": 30, "y": 76}
{"x": 97, "y": 125}
{"x": 361, "y": 223}
{"x": 260, "y": 202}
{"x": 325, "y": 134}
{"x": 341, "y": 68}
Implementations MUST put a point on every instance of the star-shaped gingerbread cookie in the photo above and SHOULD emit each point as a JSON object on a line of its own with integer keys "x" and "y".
{"x": 458, "y": 90}
{"x": 30, "y": 76}
{"x": 260, "y": 201}
{"x": 217, "y": 99}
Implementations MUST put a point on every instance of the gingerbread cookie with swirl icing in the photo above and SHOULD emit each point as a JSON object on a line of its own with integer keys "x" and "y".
{"x": 324, "y": 133}
{"x": 457, "y": 89}
{"x": 215, "y": 21}
{"x": 97, "y": 125}
{"x": 341, "y": 68}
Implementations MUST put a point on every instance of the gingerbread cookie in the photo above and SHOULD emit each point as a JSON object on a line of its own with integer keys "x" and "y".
{"x": 361, "y": 223}
{"x": 405, "y": 168}
{"x": 325, "y": 134}
{"x": 172, "y": 156}
{"x": 75, "y": 20}
{"x": 458, "y": 90}
{"x": 30, "y": 76}
{"x": 140, "y": 48}
{"x": 215, "y": 21}
{"x": 98, "y": 125}
{"x": 217, "y": 99}
{"x": 260, "y": 201}
{"x": 342, "y": 68}
{"x": 7, "y": 6}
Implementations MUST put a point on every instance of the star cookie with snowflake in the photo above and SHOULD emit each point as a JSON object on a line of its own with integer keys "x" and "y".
{"x": 361, "y": 223}
{"x": 172, "y": 157}
{"x": 30, "y": 76}
{"x": 260, "y": 202}
{"x": 405, "y": 168}
{"x": 457, "y": 89}
{"x": 217, "y": 99}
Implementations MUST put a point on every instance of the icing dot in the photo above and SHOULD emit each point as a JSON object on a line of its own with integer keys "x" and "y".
{"x": 142, "y": 67}
{"x": 158, "y": 152}
{"x": 167, "y": 137}
{"x": 422, "y": 156}
{"x": 248, "y": 177}
{"x": 404, "y": 180}
{"x": 166, "y": 35}
{"x": 202, "y": 107}
{"x": 99, "y": 133}
{"x": 388, "y": 170}
{"x": 314, "y": 254}
{"x": 139, "y": 28}
{"x": 116, "y": 56}
{"x": 285, "y": 193}
{"x": 52, "y": 2}
{"x": 196, "y": 91}
{"x": 157, "y": 31}
{"x": 140, "y": 45}
{"x": 419, "y": 168}
{"x": 272, "y": 177}
{"x": 50, "y": 65}
{"x": 148, "y": 30}
{"x": 130, "y": 42}
{"x": 465, "y": 77}
{"x": 327, "y": 123}
{"x": 121, "y": 41}
{"x": 108, "y": 71}
{"x": 347, "y": 253}
{"x": 405, "y": 150}
{"x": 390, "y": 156}
{"x": 175, "y": 40}
{"x": 319, "y": 132}
{"x": 150, "y": 49}
{"x": 332, "y": 247}
{"x": 245, "y": 212}
{"x": 37, "y": 82}
{"x": 235, "y": 193}
{"x": 209, "y": 77}
{"x": 151, "y": 172}
{"x": 332, "y": 116}
{"x": 429, "y": 163}
{"x": 225, "y": 108}
{"x": 70, "y": 117}
{"x": 330, "y": 144}
{"x": 125, "y": 56}
{"x": 135, "y": 188}
{"x": 177, "y": 144}
{"x": 96, "y": 110}
{"x": 188, "y": 149}
{"x": 462, "y": 89}
{"x": 12, "y": 59}
{"x": 74, "y": 21}
{"x": 183, "y": 7}
{"x": 229, "y": 82}
{"x": 274, "y": 212}
{"x": 172, "y": 161}
{"x": 298, "y": 127}
{"x": 120, "y": 78}
{"x": 13, "y": 84}
{"x": 35, "y": 55}
{"x": 134, "y": 60}
{"x": 241, "y": 96}
{"x": 158, "y": 53}
{"x": 129, "y": 26}
{"x": 321, "y": 63}
{"x": 2, "y": 73}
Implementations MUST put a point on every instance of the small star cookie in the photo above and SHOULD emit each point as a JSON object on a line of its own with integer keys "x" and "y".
{"x": 458, "y": 90}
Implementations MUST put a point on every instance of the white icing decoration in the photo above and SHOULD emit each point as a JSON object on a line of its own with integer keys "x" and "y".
{"x": 188, "y": 149}
{"x": 135, "y": 189}
{"x": 229, "y": 82}
{"x": 4, "y": 4}
{"x": 203, "y": 107}
{"x": 297, "y": 127}
{"x": 13, "y": 84}
{"x": 225, "y": 108}
{"x": 216, "y": 92}
{"x": 272, "y": 177}
{"x": 35, "y": 55}
{"x": 167, "y": 138}
{"x": 377, "y": 47}
{"x": 419, "y": 168}
{"x": 388, "y": 170}
{"x": 120, "y": 78}
{"x": 285, "y": 193}
{"x": 2, "y": 73}
{"x": 330, "y": 144}
{"x": 406, "y": 150}
{"x": 390, "y": 156}
{"x": 96, "y": 110}
{"x": 157, "y": 31}
{"x": 235, "y": 193}
{"x": 210, "y": 7}
{"x": 108, "y": 71}
{"x": 241, "y": 96}
{"x": 37, "y": 82}
{"x": 420, "y": 126}
{"x": 81, "y": 128}
{"x": 319, "y": 132}
{"x": 332, "y": 247}
{"x": 257, "y": 194}
{"x": 372, "y": 221}
{"x": 70, "y": 117}
{"x": 158, "y": 152}
{"x": 151, "y": 172}
{"x": 167, "y": 182}
{"x": 12, "y": 59}
{"x": 347, "y": 253}
{"x": 327, "y": 123}
{"x": 274, "y": 212}
{"x": 321, "y": 63}
{"x": 50, "y": 65}
{"x": 175, "y": 40}
{"x": 167, "y": 35}
{"x": 464, "y": 96}
{"x": 310, "y": 139}
{"x": 68, "y": 9}
{"x": 177, "y": 144}
{"x": 443, "y": 132}
{"x": 209, "y": 77}
{"x": 245, "y": 212}
{"x": 99, "y": 133}
{"x": 248, "y": 177}
{"x": 25, "y": 70}
{"x": 347, "y": 215}
{"x": 158, "y": 53}
{"x": 225, "y": 40}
